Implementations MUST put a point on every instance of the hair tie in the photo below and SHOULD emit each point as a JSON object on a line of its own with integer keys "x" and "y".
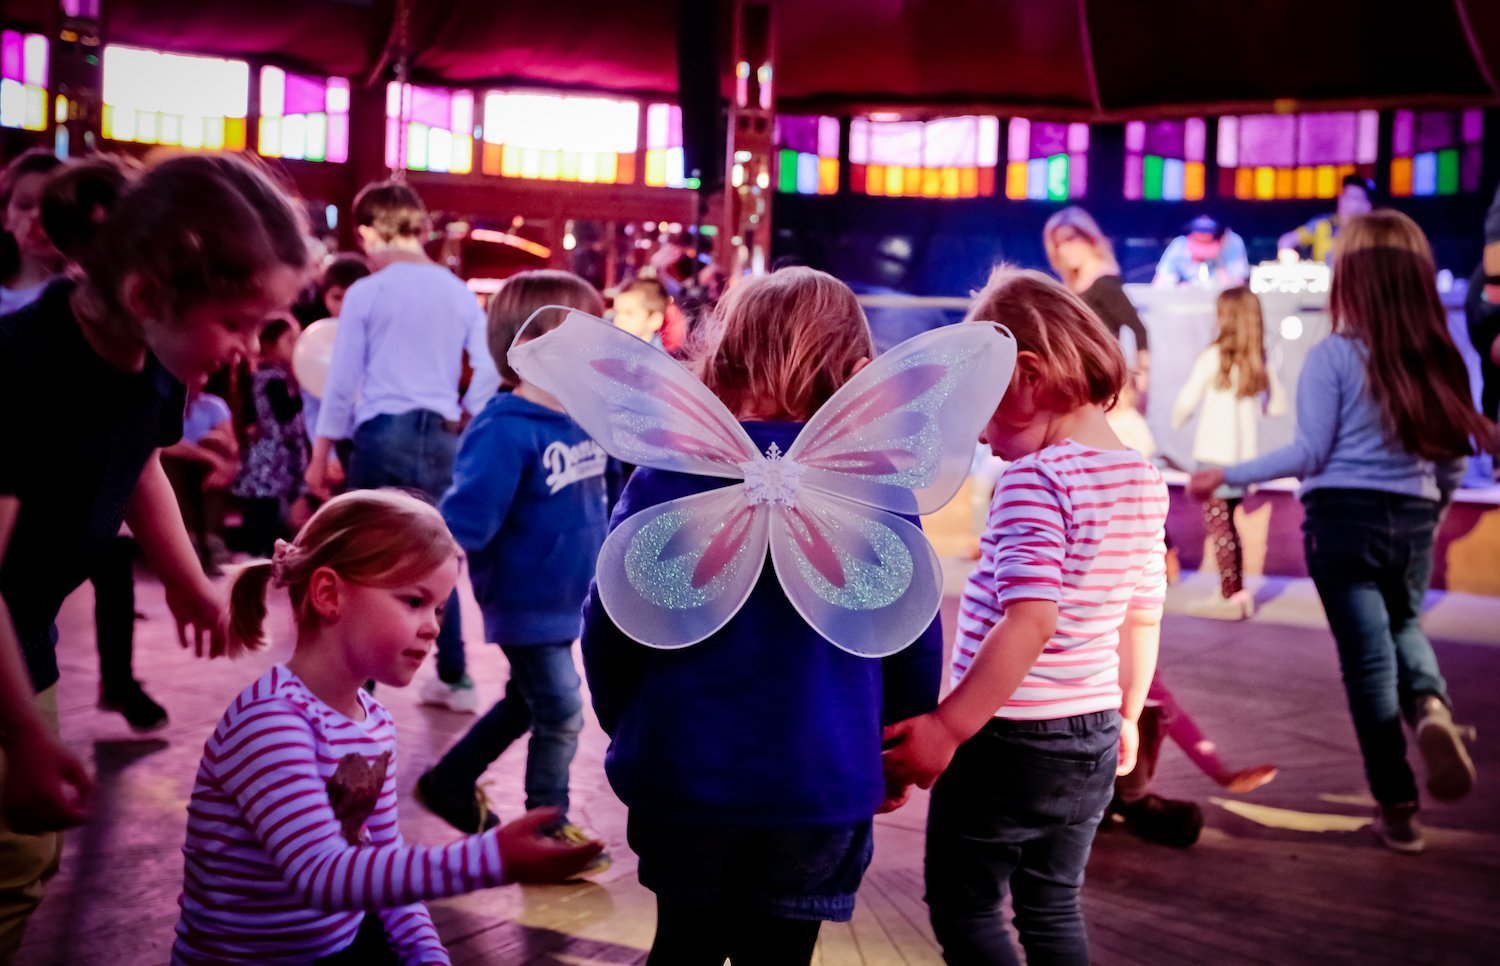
{"x": 279, "y": 556}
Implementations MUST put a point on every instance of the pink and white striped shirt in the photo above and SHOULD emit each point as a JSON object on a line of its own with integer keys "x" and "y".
{"x": 269, "y": 875}
{"x": 1083, "y": 528}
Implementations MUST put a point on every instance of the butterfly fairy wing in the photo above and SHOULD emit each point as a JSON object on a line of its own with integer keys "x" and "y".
{"x": 674, "y": 573}
{"x": 633, "y": 399}
{"x": 900, "y": 434}
{"x": 865, "y": 579}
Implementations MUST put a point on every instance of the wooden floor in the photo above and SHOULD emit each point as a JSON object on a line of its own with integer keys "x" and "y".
{"x": 1289, "y": 874}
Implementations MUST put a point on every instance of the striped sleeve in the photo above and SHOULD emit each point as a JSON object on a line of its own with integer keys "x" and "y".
{"x": 1029, "y": 520}
{"x": 1151, "y": 588}
{"x": 408, "y": 927}
{"x": 266, "y": 761}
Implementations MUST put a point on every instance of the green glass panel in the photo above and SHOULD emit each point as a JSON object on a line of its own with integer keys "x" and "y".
{"x": 786, "y": 172}
{"x": 1447, "y": 182}
{"x": 1057, "y": 178}
{"x": 1151, "y": 177}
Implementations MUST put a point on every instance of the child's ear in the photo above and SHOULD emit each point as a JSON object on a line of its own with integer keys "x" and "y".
{"x": 141, "y": 296}
{"x": 325, "y": 593}
{"x": 369, "y": 238}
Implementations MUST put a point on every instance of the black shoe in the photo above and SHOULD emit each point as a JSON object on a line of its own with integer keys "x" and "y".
{"x": 132, "y": 701}
{"x": 469, "y": 812}
{"x": 1162, "y": 820}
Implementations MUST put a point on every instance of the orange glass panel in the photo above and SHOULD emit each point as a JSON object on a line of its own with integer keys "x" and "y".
{"x": 895, "y": 177}
{"x": 490, "y": 162}
{"x": 1305, "y": 181}
{"x": 1345, "y": 170}
{"x": 1015, "y": 180}
{"x": 986, "y": 181}
{"x": 1284, "y": 182}
{"x": 951, "y": 188}
{"x": 624, "y": 168}
{"x": 1401, "y": 177}
{"x": 1327, "y": 181}
{"x": 1265, "y": 183}
{"x": 875, "y": 179}
{"x": 911, "y": 182}
{"x": 1192, "y": 181}
{"x": 932, "y": 182}
{"x": 234, "y": 134}
{"x": 828, "y": 176}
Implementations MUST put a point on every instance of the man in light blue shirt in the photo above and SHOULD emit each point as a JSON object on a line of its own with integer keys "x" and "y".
{"x": 1207, "y": 255}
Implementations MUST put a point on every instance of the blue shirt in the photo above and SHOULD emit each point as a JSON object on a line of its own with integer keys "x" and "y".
{"x": 764, "y": 723}
{"x": 401, "y": 341}
{"x": 528, "y": 506}
{"x": 1341, "y": 437}
{"x": 1178, "y": 267}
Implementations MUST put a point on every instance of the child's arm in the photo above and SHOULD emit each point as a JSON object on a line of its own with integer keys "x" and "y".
{"x": 486, "y": 378}
{"x": 1140, "y": 637}
{"x": 486, "y": 476}
{"x": 155, "y": 519}
{"x": 1191, "y": 393}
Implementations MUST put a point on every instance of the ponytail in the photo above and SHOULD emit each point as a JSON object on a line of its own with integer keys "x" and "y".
{"x": 78, "y": 199}
{"x": 247, "y": 607}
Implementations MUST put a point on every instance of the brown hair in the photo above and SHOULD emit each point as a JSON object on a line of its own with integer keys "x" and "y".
{"x": 196, "y": 227}
{"x": 652, "y": 292}
{"x": 1384, "y": 294}
{"x": 342, "y": 271}
{"x": 520, "y": 296}
{"x": 779, "y": 345}
{"x": 394, "y": 210}
{"x": 1084, "y": 224}
{"x": 1078, "y": 361}
{"x": 1241, "y": 342}
{"x": 78, "y": 198}
{"x": 378, "y": 538}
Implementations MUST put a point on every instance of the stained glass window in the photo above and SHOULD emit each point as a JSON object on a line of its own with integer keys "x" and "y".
{"x": 1435, "y": 152}
{"x": 1264, "y": 156}
{"x": 664, "y": 160}
{"x": 552, "y": 137}
{"x": 807, "y": 155}
{"x": 153, "y": 97}
{"x": 1164, "y": 159}
{"x": 429, "y": 128}
{"x": 23, "y": 80}
{"x": 302, "y": 117}
{"x": 949, "y": 157}
{"x": 1046, "y": 161}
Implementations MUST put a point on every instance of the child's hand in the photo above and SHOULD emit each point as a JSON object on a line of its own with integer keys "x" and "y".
{"x": 527, "y": 855}
{"x": 202, "y": 618}
{"x": 1130, "y": 743}
{"x": 46, "y": 786}
{"x": 896, "y": 795}
{"x": 1204, "y": 482}
{"x": 920, "y": 749}
{"x": 316, "y": 479}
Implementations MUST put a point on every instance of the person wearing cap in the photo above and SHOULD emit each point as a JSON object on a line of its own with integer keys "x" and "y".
{"x": 1317, "y": 236}
{"x": 1207, "y": 254}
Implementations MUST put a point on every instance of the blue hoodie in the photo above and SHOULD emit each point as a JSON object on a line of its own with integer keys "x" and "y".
{"x": 528, "y": 506}
{"x": 764, "y": 723}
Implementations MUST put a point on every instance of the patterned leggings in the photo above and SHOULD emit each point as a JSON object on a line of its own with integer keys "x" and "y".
{"x": 1218, "y": 517}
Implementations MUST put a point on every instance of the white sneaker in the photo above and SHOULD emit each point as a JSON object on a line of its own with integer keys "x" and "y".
{"x": 1237, "y": 608}
{"x": 462, "y": 697}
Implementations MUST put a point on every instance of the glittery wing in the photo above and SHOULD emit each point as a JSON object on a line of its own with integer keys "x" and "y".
{"x": 674, "y": 573}
{"x": 863, "y": 578}
{"x": 637, "y": 402}
{"x": 900, "y": 434}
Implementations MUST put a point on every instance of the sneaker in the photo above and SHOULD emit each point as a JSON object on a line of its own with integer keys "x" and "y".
{"x": 462, "y": 697}
{"x": 1397, "y": 828}
{"x": 1239, "y": 607}
{"x": 1161, "y": 820}
{"x": 1450, "y": 770}
{"x": 132, "y": 701}
{"x": 470, "y": 812}
{"x": 1248, "y": 779}
{"x": 570, "y": 834}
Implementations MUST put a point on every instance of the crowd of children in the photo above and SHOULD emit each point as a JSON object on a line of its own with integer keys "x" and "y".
{"x": 753, "y": 763}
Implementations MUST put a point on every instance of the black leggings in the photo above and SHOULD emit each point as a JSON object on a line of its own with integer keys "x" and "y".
{"x": 688, "y": 935}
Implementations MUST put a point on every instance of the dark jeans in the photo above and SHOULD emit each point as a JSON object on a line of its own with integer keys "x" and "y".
{"x": 694, "y": 935}
{"x": 370, "y": 947}
{"x": 113, "y": 578}
{"x": 1017, "y": 809}
{"x": 451, "y": 661}
{"x": 543, "y": 697}
{"x": 1370, "y": 556}
{"x": 413, "y": 450}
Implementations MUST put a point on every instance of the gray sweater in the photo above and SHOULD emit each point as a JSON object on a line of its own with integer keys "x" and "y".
{"x": 1341, "y": 438}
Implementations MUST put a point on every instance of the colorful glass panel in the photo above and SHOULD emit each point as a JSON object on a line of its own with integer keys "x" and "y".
{"x": 552, "y": 137}
{"x": 180, "y": 100}
{"x": 1276, "y": 156}
{"x": 807, "y": 155}
{"x": 23, "y": 80}
{"x": 302, "y": 117}
{"x": 949, "y": 157}
{"x": 429, "y": 128}
{"x": 1164, "y": 160}
{"x": 664, "y": 158}
{"x": 1046, "y": 161}
{"x": 1436, "y": 152}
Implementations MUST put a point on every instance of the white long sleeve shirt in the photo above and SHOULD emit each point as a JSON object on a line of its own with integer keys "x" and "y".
{"x": 1228, "y": 424}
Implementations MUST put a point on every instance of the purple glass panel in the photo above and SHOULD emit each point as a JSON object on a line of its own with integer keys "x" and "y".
{"x": 1078, "y": 138}
{"x": 1194, "y": 139}
{"x": 1403, "y": 126}
{"x": 10, "y": 55}
{"x": 1166, "y": 139}
{"x": 1078, "y": 175}
{"x": 1469, "y": 168}
{"x": 1473, "y": 126}
{"x": 1133, "y": 176}
{"x": 304, "y": 95}
{"x": 430, "y": 107}
{"x": 828, "y": 137}
{"x": 1327, "y": 138}
{"x": 338, "y": 138}
{"x": 1434, "y": 131}
{"x": 1048, "y": 139}
{"x": 798, "y": 133}
{"x": 1267, "y": 139}
{"x": 1135, "y": 138}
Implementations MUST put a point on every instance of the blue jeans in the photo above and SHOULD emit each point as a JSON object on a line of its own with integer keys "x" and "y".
{"x": 1017, "y": 810}
{"x": 451, "y": 661}
{"x": 412, "y": 450}
{"x": 1370, "y": 555}
{"x": 542, "y": 696}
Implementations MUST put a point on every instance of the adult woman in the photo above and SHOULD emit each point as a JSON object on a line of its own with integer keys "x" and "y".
{"x": 1085, "y": 261}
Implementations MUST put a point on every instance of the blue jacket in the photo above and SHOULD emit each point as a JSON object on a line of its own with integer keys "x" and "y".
{"x": 764, "y": 723}
{"x": 528, "y": 506}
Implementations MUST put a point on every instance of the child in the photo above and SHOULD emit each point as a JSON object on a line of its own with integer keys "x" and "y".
{"x": 341, "y": 272}
{"x": 1057, "y": 643}
{"x": 641, "y": 309}
{"x": 28, "y": 259}
{"x": 292, "y": 832}
{"x": 750, "y": 761}
{"x": 1229, "y": 386}
{"x": 276, "y": 454}
{"x": 528, "y": 507}
{"x": 1384, "y": 421}
{"x": 173, "y": 284}
{"x": 403, "y": 333}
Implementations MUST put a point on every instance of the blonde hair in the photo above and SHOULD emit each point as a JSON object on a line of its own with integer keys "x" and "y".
{"x": 1084, "y": 224}
{"x": 1241, "y": 342}
{"x": 379, "y": 538}
{"x": 521, "y": 295}
{"x": 1078, "y": 362}
{"x": 780, "y": 345}
{"x": 1384, "y": 294}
